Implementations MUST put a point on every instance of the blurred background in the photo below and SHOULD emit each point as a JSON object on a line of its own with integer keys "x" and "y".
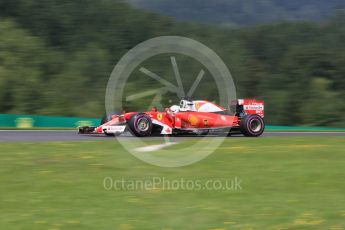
{"x": 56, "y": 55}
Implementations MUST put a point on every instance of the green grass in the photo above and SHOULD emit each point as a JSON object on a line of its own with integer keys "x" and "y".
{"x": 287, "y": 183}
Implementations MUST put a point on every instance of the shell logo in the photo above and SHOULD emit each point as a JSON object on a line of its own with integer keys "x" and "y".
{"x": 193, "y": 120}
{"x": 159, "y": 116}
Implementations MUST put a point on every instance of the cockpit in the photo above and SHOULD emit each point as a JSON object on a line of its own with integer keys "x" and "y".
{"x": 186, "y": 105}
{"x": 197, "y": 106}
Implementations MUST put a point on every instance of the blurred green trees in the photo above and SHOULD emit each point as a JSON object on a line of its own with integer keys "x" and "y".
{"x": 56, "y": 58}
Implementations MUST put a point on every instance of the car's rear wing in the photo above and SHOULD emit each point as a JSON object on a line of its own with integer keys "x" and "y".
{"x": 250, "y": 106}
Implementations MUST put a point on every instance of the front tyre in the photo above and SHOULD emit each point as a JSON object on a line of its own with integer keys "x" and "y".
{"x": 252, "y": 125}
{"x": 140, "y": 125}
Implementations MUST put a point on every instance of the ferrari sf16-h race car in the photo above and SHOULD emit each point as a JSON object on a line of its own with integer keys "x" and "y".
{"x": 190, "y": 117}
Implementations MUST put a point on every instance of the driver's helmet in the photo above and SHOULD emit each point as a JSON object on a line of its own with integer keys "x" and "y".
{"x": 175, "y": 108}
{"x": 186, "y": 105}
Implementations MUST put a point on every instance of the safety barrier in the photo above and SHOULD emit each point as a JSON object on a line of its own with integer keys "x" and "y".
{"x": 35, "y": 121}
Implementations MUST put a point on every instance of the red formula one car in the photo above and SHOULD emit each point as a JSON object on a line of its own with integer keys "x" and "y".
{"x": 190, "y": 117}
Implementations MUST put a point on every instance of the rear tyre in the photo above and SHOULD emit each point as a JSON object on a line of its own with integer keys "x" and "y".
{"x": 252, "y": 125}
{"x": 140, "y": 125}
{"x": 104, "y": 120}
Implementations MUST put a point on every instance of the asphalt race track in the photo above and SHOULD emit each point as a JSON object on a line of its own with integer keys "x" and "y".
{"x": 63, "y": 135}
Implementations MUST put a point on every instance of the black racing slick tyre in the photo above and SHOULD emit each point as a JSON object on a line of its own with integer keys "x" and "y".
{"x": 252, "y": 125}
{"x": 140, "y": 125}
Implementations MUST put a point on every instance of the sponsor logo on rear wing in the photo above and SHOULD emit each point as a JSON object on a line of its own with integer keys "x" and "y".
{"x": 252, "y": 106}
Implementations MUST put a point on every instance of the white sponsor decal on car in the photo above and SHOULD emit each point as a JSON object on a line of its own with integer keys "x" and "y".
{"x": 166, "y": 129}
{"x": 253, "y": 107}
{"x": 115, "y": 129}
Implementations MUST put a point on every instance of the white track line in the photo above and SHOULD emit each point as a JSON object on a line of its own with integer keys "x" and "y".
{"x": 151, "y": 148}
